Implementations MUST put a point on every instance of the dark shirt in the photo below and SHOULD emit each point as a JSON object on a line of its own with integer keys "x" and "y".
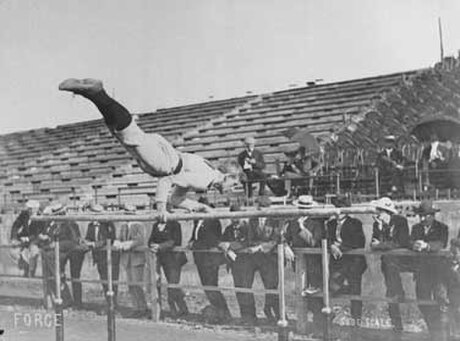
{"x": 208, "y": 235}
{"x": 106, "y": 231}
{"x": 257, "y": 155}
{"x": 392, "y": 236}
{"x": 24, "y": 227}
{"x": 171, "y": 235}
{"x": 237, "y": 235}
{"x": 314, "y": 225}
{"x": 436, "y": 237}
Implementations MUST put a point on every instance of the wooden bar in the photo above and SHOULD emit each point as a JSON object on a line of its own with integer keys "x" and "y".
{"x": 272, "y": 212}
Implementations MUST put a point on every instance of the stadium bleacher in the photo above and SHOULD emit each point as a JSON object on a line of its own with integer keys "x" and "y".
{"x": 71, "y": 162}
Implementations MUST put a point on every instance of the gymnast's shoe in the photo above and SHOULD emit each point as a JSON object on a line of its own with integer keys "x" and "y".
{"x": 86, "y": 86}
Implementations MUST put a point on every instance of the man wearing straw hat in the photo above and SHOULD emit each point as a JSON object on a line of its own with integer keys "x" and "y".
{"x": 64, "y": 233}
{"x": 307, "y": 232}
{"x": 390, "y": 232}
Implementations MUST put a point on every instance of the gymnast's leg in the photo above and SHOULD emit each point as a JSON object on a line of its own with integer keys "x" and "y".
{"x": 116, "y": 116}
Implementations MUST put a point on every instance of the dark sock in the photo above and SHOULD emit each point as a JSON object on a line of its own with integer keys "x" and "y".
{"x": 116, "y": 116}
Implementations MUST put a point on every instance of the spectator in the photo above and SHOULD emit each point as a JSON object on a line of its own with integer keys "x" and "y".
{"x": 132, "y": 243}
{"x": 390, "y": 232}
{"x": 435, "y": 160}
{"x": 23, "y": 238}
{"x": 263, "y": 236}
{"x": 96, "y": 238}
{"x": 163, "y": 238}
{"x": 64, "y": 233}
{"x": 206, "y": 235}
{"x": 390, "y": 163}
{"x": 307, "y": 232}
{"x": 234, "y": 244}
{"x": 428, "y": 236}
{"x": 450, "y": 290}
{"x": 345, "y": 233}
{"x": 302, "y": 168}
{"x": 252, "y": 162}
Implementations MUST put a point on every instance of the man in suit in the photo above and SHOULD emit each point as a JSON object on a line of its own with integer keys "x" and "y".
{"x": 234, "y": 244}
{"x": 133, "y": 243}
{"x": 264, "y": 235}
{"x": 429, "y": 236}
{"x": 307, "y": 232}
{"x": 206, "y": 235}
{"x": 252, "y": 162}
{"x": 345, "y": 233}
{"x": 435, "y": 160}
{"x": 163, "y": 238}
{"x": 175, "y": 170}
{"x": 96, "y": 238}
{"x": 65, "y": 233}
{"x": 390, "y": 163}
{"x": 23, "y": 237}
{"x": 391, "y": 232}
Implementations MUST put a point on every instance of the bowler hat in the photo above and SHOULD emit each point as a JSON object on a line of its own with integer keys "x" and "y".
{"x": 341, "y": 201}
{"x": 426, "y": 207}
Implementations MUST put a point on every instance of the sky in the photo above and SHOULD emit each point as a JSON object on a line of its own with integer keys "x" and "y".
{"x": 155, "y": 54}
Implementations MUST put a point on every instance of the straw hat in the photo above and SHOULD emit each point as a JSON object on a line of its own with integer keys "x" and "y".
{"x": 32, "y": 204}
{"x": 305, "y": 201}
{"x": 385, "y": 204}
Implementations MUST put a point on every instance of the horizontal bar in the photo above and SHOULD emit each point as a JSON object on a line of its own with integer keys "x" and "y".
{"x": 273, "y": 212}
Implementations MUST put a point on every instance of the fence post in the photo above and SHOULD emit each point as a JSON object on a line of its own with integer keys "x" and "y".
{"x": 152, "y": 262}
{"x": 46, "y": 301}
{"x": 119, "y": 196}
{"x": 301, "y": 305}
{"x": 111, "y": 326}
{"x": 283, "y": 332}
{"x": 337, "y": 183}
{"x": 377, "y": 184}
{"x": 327, "y": 311}
{"x": 58, "y": 301}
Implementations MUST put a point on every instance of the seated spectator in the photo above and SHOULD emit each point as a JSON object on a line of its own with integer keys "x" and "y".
{"x": 252, "y": 162}
{"x": 435, "y": 160}
{"x": 391, "y": 232}
{"x": 345, "y": 233}
{"x": 305, "y": 232}
{"x": 263, "y": 236}
{"x": 96, "y": 238}
{"x": 23, "y": 237}
{"x": 390, "y": 163}
{"x": 302, "y": 167}
{"x": 206, "y": 235}
{"x": 132, "y": 243}
{"x": 163, "y": 238}
{"x": 234, "y": 244}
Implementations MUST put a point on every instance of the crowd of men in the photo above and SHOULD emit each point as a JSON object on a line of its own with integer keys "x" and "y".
{"x": 247, "y": 246}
